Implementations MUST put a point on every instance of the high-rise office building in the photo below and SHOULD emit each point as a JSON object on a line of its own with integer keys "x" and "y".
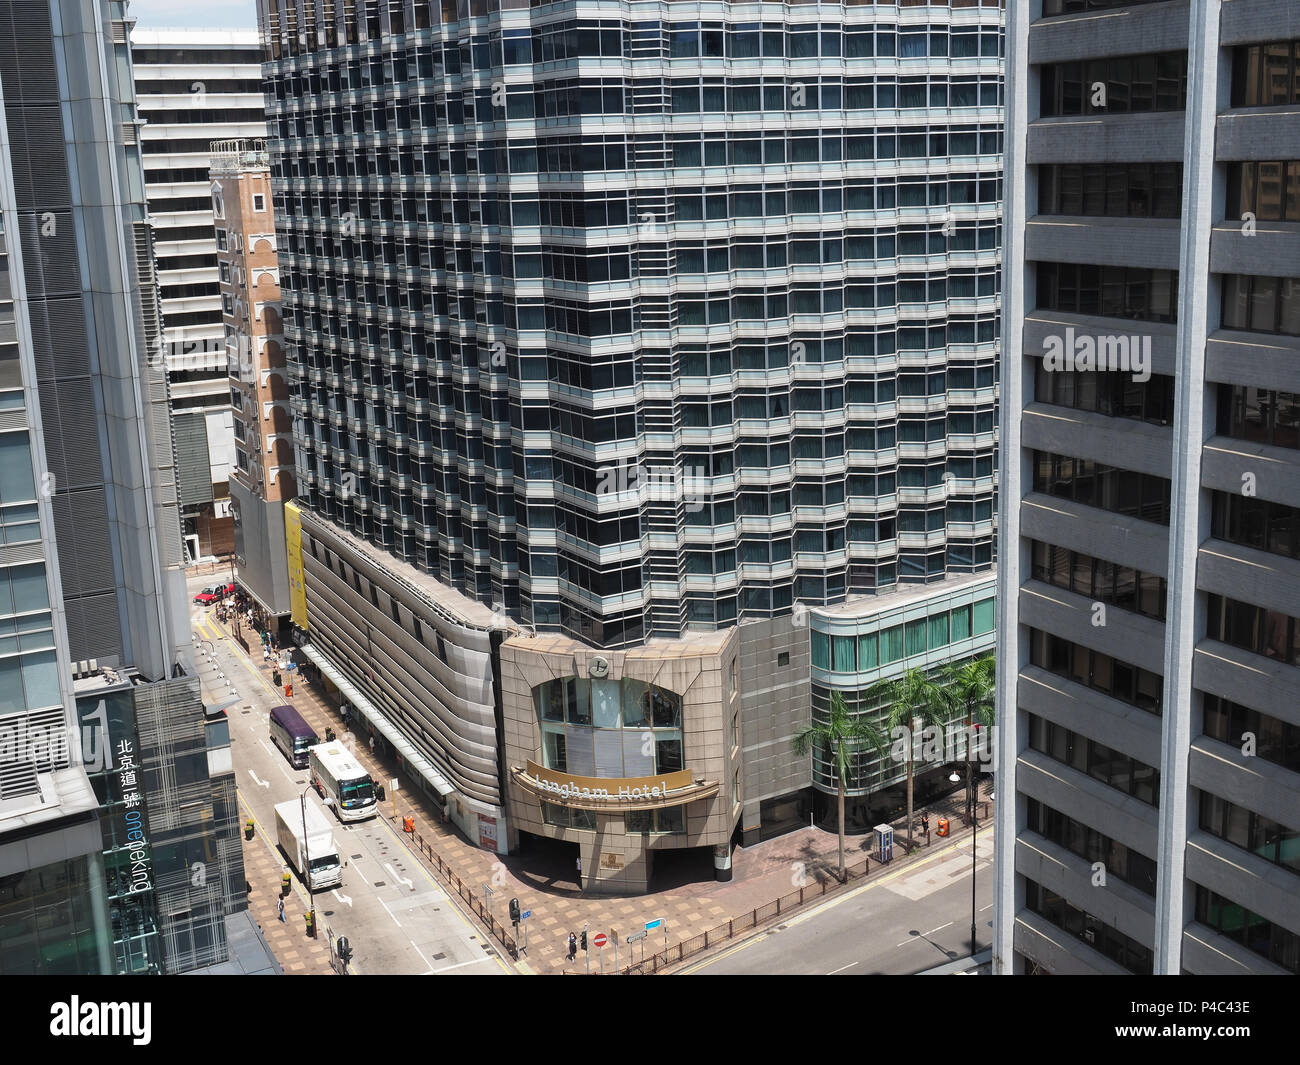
{"x": 1149, "y": 677}
{"x": 195, "y": 87}
{"x": 614, "y": 332}
{"x": 119, "y": 848}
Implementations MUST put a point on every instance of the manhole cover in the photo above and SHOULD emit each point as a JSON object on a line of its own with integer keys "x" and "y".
{"x": 439, "y": 957}
{"x": 379, "y": 883}
{"x": 355, "y": 857}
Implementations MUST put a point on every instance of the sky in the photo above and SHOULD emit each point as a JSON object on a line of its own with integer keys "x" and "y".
{"x": 195, "y": 14}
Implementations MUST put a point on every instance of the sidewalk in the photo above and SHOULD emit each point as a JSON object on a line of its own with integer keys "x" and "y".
{"x": 761, "y": 874}
{"x": 297, "y": 954}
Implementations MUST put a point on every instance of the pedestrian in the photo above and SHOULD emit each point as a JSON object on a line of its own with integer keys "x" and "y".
{"x": 266, "y": 654}
{"x": 372, "y": 743}
{"x": 579, "y": 872}
{"x": 281, "y": 902}
{"x": 573, "y": 946}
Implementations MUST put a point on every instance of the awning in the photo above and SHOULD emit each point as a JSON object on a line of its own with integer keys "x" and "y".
{"x": 412, "y": 758}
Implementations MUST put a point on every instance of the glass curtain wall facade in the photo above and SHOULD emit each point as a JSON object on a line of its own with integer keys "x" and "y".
{"x": 638, "y": 319}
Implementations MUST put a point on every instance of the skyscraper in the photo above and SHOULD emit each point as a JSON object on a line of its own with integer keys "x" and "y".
{"x": 195, "y": 87}
{"x": 613, "y": 334}
{"x": 1150, "y": 575}
{"x": 118, "y": 842}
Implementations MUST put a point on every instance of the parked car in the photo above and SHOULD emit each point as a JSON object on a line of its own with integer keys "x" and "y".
{"x": 205, "y": 598}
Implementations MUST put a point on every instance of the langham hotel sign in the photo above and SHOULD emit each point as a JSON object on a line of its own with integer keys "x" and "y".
{"x": 613, "y": 793}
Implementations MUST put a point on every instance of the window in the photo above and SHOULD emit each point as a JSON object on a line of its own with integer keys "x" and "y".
{"x": 1258, "y": 523}
{"x": 1261, "y": 304}
{"x": 1265, "y": 75}
{"x": 222, "y": 245}
{"x": 259, "y": 202}
{"x": 1268, "y": 940}
{"x": 1273, "y": 740}
{"x": 1254, "y": 628}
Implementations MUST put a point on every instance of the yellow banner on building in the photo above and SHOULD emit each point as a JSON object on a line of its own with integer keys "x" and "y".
{"x": 293, "y": 550}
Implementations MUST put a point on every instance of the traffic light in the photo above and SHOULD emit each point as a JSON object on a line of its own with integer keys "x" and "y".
{"x": 514, "y": 911}
{"x": 583, "y": 941}
{"x": 344, "y": 949}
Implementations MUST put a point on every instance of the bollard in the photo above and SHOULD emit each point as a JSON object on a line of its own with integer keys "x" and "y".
{"x": 285, "y": 881}
{"x": 248, "y": 828}
{"x": 309, "y": 918}
{"x": 408, "y": 825}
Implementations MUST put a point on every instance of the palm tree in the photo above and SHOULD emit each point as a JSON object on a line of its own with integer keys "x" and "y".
{"x": 916, "y": 703}
{"x": 842, "y": 734}
{"x": 968, "y": 689}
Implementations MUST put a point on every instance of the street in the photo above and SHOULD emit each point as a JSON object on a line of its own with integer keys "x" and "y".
{"x": 896, "y": 924}
{"x": 396, "y": 916}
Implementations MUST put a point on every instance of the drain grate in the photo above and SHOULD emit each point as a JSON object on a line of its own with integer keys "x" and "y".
{"x": 355, "y": 857}
{"x": 439, "y": 957}
{"x": 379, "y": 883}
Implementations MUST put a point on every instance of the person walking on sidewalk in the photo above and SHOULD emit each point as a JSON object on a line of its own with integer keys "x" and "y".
{"x": 372, "y": 743}
{"x": 579, "y": 872}
{"x": 573, "y": 946}
{"x": 281, "y": 902}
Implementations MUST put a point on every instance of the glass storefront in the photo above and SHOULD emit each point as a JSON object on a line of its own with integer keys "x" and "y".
{"x": 47, "y": 924}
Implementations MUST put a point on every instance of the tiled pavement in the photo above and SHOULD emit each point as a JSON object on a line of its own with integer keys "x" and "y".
{"x": 297, "y": 954}
{"x": 761, "y": 873}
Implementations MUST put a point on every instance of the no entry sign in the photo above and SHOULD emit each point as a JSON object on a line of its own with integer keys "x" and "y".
{"x": 599, "y": 939}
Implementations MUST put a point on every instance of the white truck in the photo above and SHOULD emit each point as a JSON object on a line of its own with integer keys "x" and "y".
{"x": 313, "y": 853}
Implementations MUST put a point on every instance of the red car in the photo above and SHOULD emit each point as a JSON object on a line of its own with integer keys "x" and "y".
{"x": 205, "y": 598}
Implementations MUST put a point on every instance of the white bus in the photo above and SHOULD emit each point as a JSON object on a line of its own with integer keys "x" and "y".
{"x": 342, "y": 782}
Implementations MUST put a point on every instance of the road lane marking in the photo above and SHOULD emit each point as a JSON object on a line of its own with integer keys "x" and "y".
{"x": 939, "y": 929}
{"x": 257, "y": 780}
{"x": 460, "y": 965}
{"x": 343, "y": 898}
{"x": 399, "y": 879}
{"x": 427, "y": 966}
{"x": 842, "y": 968}
{"x": 390, "y": 913}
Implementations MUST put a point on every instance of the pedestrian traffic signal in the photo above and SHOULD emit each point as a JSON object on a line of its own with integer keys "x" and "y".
{"x": 514, "y": 911}
{"x": 344, "y": 949}
{"x": 583, "y": 941}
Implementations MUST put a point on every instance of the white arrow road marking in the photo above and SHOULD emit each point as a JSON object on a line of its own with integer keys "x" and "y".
{"x": 259, "y": 783}
{"x": 399, "y": 879}
{"x": 342, "y": 898}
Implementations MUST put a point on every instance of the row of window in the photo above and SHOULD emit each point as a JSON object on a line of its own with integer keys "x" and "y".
{"x": 1259, "y": 414}
{"x": 1257, "y": 934}
{"x": 1100, "y": 580}
{"x": 1270, "y": 191}
{"x": 868, "y": 651}
{"x": 1101, "y": 672}
{"x": 1251, "y": 831}
{"x": 1113, "y": 768}
{"x": 1138, "y": 495}
{"x": 1266, "y": 75}
{"x": 1270, "y": 633}
{"x": 1118, "y": 85}
{"x": 1114, "y": 190}
{"x": 1273, "y": 740}
{"x": 784, "y": 94}
{"x": 1261, "y": 304}
{"x": 1114, "y": 394}
{"x": 1127, "y": 953}
{"x": 1126, "y": 864}
{"x": 1111, "y": 291}
{"x": 1258, "y": 523}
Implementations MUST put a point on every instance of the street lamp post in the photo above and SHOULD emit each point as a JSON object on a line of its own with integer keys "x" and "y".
{"x": 956, "y": 779}
{"x": 306, "y": 861}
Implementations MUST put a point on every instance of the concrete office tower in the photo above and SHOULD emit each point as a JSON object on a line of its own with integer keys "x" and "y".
{"x": 1149, "y": 678}
{"x": 263, "y": 476}
{"x": 195, "y": 87}
{"x": 99, "y": 707}
{"x": 637, "y": 324}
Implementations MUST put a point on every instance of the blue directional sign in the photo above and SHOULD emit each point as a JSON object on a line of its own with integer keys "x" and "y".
{"x": 525, "y": 915}
{"x": 656, "y": 923}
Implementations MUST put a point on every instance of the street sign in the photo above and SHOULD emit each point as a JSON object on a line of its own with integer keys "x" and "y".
{"x": 599, "y": 939}
{"x": 650, "y": 925}
{"x": 525, "y": 915}
{"x": 635, "y": 936}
